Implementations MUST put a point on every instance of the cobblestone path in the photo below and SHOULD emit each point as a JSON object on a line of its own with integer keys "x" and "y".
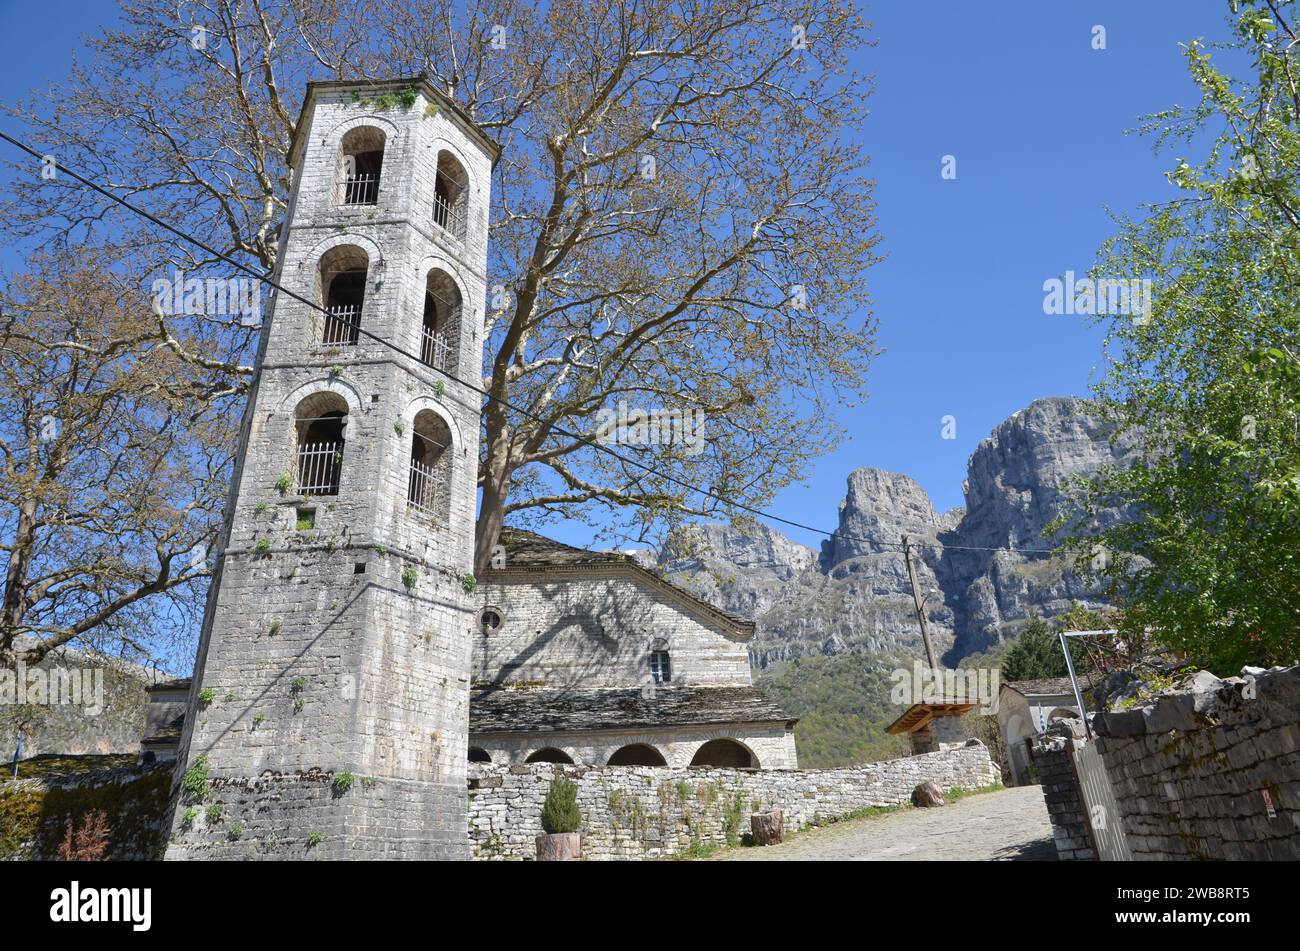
{"x": 1008, "y": 825}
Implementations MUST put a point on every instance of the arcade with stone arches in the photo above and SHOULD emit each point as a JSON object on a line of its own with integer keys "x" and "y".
{"x": 719, "y": 752}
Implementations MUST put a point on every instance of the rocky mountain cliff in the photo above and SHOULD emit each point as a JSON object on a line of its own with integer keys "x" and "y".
{"x": 855, "y": 594}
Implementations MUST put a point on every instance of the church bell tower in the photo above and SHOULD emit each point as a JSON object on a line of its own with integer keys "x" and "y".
{"x": 328, "y": 715}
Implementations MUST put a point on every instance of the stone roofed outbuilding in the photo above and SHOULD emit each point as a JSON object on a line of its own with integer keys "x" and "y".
{"x": 590, "y": 657}
{"x": 1025, "y": 709}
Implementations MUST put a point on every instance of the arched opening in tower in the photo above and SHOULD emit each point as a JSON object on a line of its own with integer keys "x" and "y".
{"x": 440, "y": 333}
{"x": 427, "y": 485}
{"x": 450, "y": 196}
{"x": 342, "y": 285}
{"x": 361, "y": 165}
{"x": 320, "y": 421}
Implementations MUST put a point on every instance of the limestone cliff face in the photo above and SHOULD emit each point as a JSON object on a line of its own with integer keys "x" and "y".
{"x": 855, "y": 594}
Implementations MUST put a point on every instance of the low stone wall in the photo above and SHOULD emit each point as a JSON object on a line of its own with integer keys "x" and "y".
{"x": 1053, "y": 755}
{"x": 1212, "y": 772}
{"x": 34, "y": 812}
{"x": 635, "y": 812}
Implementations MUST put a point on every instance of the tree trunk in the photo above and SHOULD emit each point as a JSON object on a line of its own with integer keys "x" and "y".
{"x": 491, "y": 517}
{"x": 768, "y": 828}
{"x": 561, "y": 847}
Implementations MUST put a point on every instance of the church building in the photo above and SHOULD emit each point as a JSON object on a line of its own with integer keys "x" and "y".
{"x": 588, "y": 657}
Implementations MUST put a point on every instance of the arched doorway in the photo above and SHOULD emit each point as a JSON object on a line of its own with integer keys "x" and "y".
{"x": 1018, "y": 730}
{"x": 726, "y": 753}
{"x": 637, "y": 754}
{"x": 549, "y": 754}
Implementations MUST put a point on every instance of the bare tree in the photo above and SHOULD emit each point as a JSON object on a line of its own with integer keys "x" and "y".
{"x": 679, "y": 220}
{"x": 114, "y": 457}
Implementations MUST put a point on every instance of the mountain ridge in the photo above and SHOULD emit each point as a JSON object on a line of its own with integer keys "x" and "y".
{"x": 977, "y": 565}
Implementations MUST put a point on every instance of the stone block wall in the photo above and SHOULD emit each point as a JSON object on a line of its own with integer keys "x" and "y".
{"x": 34, "y": 813}
{"x": 1212, "y": 772}
{"x": 1053, "y": 754}
{"x": 632, "y": 812}
{"x": 581, "y": 628}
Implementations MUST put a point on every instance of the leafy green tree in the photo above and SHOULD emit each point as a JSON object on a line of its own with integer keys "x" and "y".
{"x": 1208, "y": 562}
{"x": 1036, "y": 654}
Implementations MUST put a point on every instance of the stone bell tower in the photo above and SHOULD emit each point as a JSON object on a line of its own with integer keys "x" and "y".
{"x": 329, "y": 710}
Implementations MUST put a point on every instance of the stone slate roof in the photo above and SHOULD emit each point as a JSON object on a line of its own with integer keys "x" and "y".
{"x": 176, "y": 683}
{"x": 1050, "y": 687}
{"x": 549, "y": 710}
{"x": 532, "y": 550}
{"x": 528, "y": 551}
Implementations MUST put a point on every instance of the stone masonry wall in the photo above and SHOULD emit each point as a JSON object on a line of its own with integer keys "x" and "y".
{"x": 597, "y": 630}
{"x": 632, "y": 812}
{"x": 34, "y": 813}
{"x": 1212, "y": 772}
{"x": 1053, "y": 755}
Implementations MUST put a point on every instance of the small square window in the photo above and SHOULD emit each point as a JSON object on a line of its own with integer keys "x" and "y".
{"x": 359, "y": 568}
{"x": 305, "y": 519}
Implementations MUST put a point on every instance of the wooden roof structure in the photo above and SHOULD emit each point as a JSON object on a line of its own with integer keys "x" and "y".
{"x": 919, "y": 715}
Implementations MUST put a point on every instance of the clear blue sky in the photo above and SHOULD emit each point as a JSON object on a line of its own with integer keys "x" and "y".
{"x": 1036, "y": 120}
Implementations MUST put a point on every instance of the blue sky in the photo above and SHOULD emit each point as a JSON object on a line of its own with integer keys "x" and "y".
{"x": 1036, "y": 119}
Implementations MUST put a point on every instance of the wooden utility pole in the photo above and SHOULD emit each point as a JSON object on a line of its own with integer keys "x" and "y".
{"x": 920, "y": 612}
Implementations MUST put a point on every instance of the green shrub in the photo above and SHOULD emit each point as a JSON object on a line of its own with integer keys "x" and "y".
{"x": 284, "y": 484}
{"x": 409, "y": 577}
{"x": 195, "y": 781}
{"x": 560, "y": 811}
{"x": 263, "y": 545}
{"x": 205, "y": 696}
{"x": 470, "y": 583}
{"x": 314, "y": 839}
{"x": 343, "y": 782}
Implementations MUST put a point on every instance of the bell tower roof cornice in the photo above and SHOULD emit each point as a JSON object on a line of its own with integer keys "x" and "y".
{"x": 374, "y": 87}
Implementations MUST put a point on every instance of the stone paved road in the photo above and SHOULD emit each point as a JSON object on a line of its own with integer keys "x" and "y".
{"x": 1008, "y": 825}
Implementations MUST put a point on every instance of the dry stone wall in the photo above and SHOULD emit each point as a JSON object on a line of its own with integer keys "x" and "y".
{"x": 1212, "y": 772}
{"x": 34, "y": 813}
{"x": 1053, "y": 755}
{"x": 631, "y": 812}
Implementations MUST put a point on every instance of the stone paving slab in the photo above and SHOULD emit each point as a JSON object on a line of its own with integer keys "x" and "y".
{"x": 1008, "y": 825}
